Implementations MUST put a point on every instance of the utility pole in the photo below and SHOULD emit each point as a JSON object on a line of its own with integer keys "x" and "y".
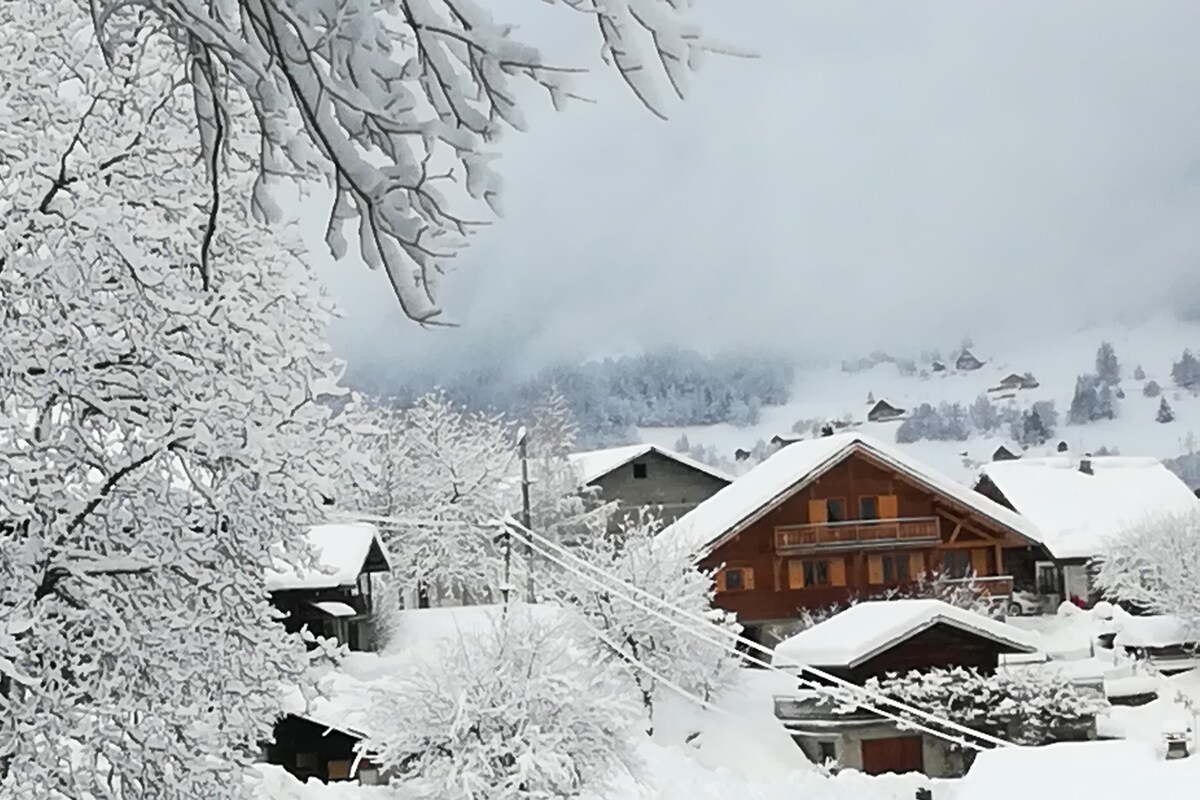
{"x": 523, "y": 445}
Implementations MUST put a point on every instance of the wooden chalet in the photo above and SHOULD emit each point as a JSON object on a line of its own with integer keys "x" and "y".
{"x": 1078, "y": 504}
{"x": 307, "y": 748}
{"x": 651, "y": 478}
{"x": 846, "y": 516}
{"x": 884, "y": 411}
{"x": 1014, "y": 382}
{"x": 872, "y": 640}
{"x": 332, "y": 596}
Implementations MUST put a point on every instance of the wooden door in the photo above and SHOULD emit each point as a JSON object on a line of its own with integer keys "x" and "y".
{"x": 895, "y": 754}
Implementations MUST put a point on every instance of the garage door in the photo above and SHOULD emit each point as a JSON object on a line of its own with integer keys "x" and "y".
{"x": 897, "y": 754}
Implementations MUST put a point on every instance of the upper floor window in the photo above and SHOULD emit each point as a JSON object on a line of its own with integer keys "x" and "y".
{"x": 835, "y": 510}
{"x": 868, "y": 507}
{"x": 639, "y": 469}
{"x": 803, "y": 573}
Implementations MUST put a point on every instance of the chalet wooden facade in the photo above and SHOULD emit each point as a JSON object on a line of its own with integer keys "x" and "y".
{"x": 845, "y": 516}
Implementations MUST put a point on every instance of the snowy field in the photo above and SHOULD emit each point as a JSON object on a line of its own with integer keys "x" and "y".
{"x": 830, "y": 393}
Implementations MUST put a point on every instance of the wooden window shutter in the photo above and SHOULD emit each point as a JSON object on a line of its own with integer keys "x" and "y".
{"x": 721, "y": 581}
{"x": 889, "y": 506}
{"x": 817, "y": 511}
{"x": 916, "y": 565}
{"x": 875, "y": 570}
{"x": 795, "y": 574}
{"x": 979, "y": 562}
{"x": 747, "y": 577}
{"x": 837, "y": 572}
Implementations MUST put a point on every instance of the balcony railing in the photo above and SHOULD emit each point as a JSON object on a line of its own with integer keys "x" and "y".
{"x": 994, "y": 585}
{"x": 866, "y": 532}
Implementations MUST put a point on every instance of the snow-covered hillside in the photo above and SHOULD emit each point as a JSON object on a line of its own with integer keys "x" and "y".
{"x": 831, "y": 393}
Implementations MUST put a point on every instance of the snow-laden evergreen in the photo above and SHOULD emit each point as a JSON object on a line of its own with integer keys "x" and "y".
{"x": 160, "y": 433}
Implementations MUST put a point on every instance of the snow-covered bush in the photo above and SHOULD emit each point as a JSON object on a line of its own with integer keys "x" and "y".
{"x": 983, "y": 413}
{"x": 1155, "y": 565}
{"x": 518, "y": 712}
{"x": 161, "y": 436}
{"x": 1165, "y": 413}
{"x": 1151, "y": 389}
{"x": 1186, "y": 371}
{"x": 626, "y": 631}
{"x": 947, "y": 422}
{"x": 1026, "y": 706}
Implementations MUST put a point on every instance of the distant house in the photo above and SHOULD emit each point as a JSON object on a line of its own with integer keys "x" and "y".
{"x": 1077, "y": 504}
{"x": 967, "y": 362}
{"x": 871, "y": 640}
{"x": 651, "y": 478}
{"x": 778, "y": 440}
{"x": 332, "y": 598}
{"x": 741, "y": 454}
{"x": 308, "y": 748}
{"x": 937, "y": 366}
{"x": 884, "y": 411}
{"x": 827, "y": 519}
{"x": 1006, "y": 452}
{"x": 1015, "y": 382}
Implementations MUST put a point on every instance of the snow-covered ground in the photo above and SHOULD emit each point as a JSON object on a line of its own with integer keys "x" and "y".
{"x": 740, "y": 750}
{"x": 830, "y": 393}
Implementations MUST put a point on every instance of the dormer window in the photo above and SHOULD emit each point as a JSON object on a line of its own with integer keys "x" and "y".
{"x": 639, "y": 469}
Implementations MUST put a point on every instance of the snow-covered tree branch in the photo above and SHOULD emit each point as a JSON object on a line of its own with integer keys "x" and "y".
{"x": 396, "y": 103}
{"x": 1155, "y": 565}
{"x": 161, "y": 430}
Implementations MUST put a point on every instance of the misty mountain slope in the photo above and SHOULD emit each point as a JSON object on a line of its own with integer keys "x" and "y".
{"x": 831, "y": 393}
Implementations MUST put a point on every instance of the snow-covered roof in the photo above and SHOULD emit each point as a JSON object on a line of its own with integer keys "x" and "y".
{"x": 865, "y": 630}
{"x": 341, "y": 551}
{"x": 794, "y": 467}
{"x": 595, "y": 464}
{"x": 1077, "y": 512}
{"x": 335, "y": 608}
{"x": 1154, "y": 631}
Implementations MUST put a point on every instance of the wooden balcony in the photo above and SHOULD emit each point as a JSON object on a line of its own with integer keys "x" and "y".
{"x": 794, "y": 539}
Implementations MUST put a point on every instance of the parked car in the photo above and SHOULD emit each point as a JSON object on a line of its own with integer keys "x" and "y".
{"x": 1024, "y": 604}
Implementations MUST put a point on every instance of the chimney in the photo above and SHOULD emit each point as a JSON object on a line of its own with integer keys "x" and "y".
{"x": 1085, "y": 464}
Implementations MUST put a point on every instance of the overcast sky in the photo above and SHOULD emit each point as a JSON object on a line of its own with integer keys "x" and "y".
{"x": 886, "y": 175}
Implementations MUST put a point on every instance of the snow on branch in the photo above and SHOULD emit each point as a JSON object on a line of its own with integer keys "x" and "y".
{"x": 393, "y": 102}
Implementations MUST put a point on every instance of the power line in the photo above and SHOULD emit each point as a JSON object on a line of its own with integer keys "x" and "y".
{"x": 845, "y": 685}
{"x": 528, "y": 537}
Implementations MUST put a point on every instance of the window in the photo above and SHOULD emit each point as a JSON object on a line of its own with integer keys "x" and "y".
{"x": 1047, "y": 577}
{"x": 835, "y": 510}
{"x": 735, "y": 579}
{"x": 639, "y": 470}
{"x": 895, "y": 568}
{"x": 868, "y": 507}
{"x": 826, "y": 752}
{"x": 956, "y": 563}
{"x": 816, "y": 572}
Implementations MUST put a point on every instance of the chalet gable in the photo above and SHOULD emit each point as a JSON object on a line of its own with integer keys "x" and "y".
{"x": 790, "y": 470}
{"x": 593, "y": 465}
{"x": 865, "y": 631}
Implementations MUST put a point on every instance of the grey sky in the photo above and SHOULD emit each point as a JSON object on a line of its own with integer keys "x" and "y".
{"x": 886, "y": 175}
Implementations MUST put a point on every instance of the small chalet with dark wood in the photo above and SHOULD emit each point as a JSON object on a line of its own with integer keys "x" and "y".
{"x": 967, "y": 362}
{"x": 1014, "y": 382}
{"x": 872, "y": 640}
{"x": 1077, "y": 504}
{"x": 842, "y": 516}
{"x": 651, "y": 478}
{"x": 884, "y": 411}
{"x": 332, "y": 598}
{"x": 778, "y": 440}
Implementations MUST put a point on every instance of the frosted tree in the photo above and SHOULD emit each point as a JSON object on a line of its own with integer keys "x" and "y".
{"x": 516, "y": 712}
{"x": 560, "y": 505}
{"x": 624, "y": 631}
{"x": 446, "y": 476}
{"x": 1085, "y": 402}
{"x": 1107, "y": 402}
{"x": 1151, "y": 389}
{"x": 870, "y": 398}
{"x": 1033, "y": 430}
{"x": 983, "y": 414}
{"x": 1108, "y": 369}
{"x": 1155, "y": 565}
{"x": 1186, "y": 371}
{"x": 397, "y": 103}
{"x": 1139, "y": 374}
{"x": 160, "y": 439}
{"x": 1165, "y": 414}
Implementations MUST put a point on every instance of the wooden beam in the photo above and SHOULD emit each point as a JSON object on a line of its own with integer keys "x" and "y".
{"x": 957, "y": 531}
